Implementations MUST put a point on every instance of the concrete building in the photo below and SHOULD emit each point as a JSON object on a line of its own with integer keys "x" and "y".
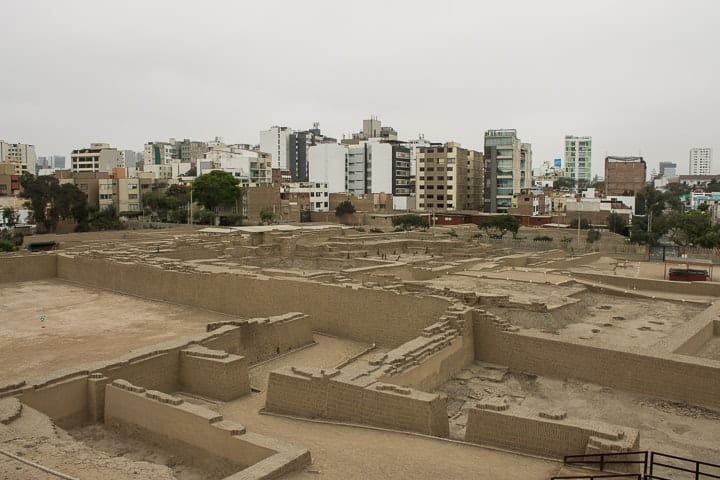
{"x": 372, "y": 128}
{"x": 159, "y": 153}
{"x": 448, "y": 177}
{"x": 310, "y": 196}
{"x": 100, "y": 157}
{"x": 299, "y": 144}
{"x": 244, "y": 162}
{"x": 700, "y": 161}
{"x": 379, "y": 166}
{"x": 276, "y": 142}
{"x": 668, "y": 169}
{"x": 22, "y": 156}
{"x": 507, "y": 170}
{"x": 327, "y": 165}
{"x": 578, "y": 159}
{"x": 530, "y": 202}
{"x": 624, "y": 174}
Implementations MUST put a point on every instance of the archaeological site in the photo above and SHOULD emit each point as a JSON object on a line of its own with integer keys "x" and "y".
{"x": 325, "y": 352}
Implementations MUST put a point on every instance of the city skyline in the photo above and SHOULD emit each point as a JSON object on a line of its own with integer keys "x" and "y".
{"x": 647, "y": 93}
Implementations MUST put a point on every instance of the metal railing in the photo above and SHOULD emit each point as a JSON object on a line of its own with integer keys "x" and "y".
{"x": 698, "y": 469}
{"x": 636, "y": 476}
{"x": 655, "y": 466}
{"x": 603, "y": 460}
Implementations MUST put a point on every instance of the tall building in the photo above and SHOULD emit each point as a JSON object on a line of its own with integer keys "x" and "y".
{"x": 700, "y": 161}
{"x": 245, "y": 163}
{"x": 578, "y": 158}
{"x": 22, "y": 156}
{"x": 668, "y": 169}
{"x": 507, "y": 169}
{"x": 448, "y": 177}
{"x": 299, "y": 144}
{"x": 100, "y": 157}
{"x": 624, "y": 175}
{"x": 327, "y": 165}
{"x": 379, "y": 166}
{"x": 275, "y": 141}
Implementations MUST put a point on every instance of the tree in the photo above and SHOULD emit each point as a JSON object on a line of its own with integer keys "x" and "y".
{"x": 584, "y": 223}
{"x": 266, "y": 216}
{"x": 215, "y": 189}
{"x": 593, "y": 235}
{"x": 563, "y": 183}
{"x": 687, "y": 228}
{"x": 50, "y": 202}
{"x": 649, "y": 200}
{"x": 616, "y": 223}
{"x": 344, "y": 208}
{"x": 410, "y": 222}
{"x": 179, "y": 193}
{"x": 499, "y": 225}
{"x": 10, "y": 217}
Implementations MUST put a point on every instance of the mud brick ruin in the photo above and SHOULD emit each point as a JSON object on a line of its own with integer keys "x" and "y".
{"x": 325, "y": 352}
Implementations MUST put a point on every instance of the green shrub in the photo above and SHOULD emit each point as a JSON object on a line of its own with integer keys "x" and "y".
{"x": 542, "y": 238}
{"x": 6, "y": 246}
{"x": 376, "y": 230}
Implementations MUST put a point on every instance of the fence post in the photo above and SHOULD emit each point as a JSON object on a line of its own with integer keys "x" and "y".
{"x": 697, "y": 470}
{"x": 652, "y": 463}
{"x": 602, "y": 462}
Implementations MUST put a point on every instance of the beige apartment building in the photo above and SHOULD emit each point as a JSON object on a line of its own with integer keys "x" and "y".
{"x": 448, "y": 177}
{"x": 125, "y": 194}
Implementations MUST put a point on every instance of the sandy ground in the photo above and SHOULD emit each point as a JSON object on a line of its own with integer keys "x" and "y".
{"x": 82, "y": 325}
{"x": 664, "y": 426}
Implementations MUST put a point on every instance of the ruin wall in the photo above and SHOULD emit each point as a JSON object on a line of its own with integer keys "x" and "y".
{"x": 317, "y": 394}
{"x": 711, "y": 289}
{"x": 368, "y": 315}
{"x": 25, "y": 267}
{"x": 528, "y": 432}
{"x": 167, "y": 418}
{"x": 684, "y": 379}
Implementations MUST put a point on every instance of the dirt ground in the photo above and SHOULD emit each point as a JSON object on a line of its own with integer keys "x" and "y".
{"x": 664, "y": 426}
{"x": 82, "y": 325}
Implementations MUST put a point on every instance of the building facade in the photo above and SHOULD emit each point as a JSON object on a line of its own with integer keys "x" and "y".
{"x": 327, "y": 165}
{"x": 624, "y": 175}
{"x": 668, "y": 169}
{"x": 22, "y": 156}
{"x": 100, "y": 157}
{"x": 276, "y": 142}
{"x": 507, "y": 169}
{"x": 448, "y": 177}
{"x": 700, "y": 162}
{"x": 578, "y": 159}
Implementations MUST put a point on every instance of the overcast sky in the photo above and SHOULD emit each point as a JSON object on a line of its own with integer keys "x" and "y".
{"x": 640, "y": 77}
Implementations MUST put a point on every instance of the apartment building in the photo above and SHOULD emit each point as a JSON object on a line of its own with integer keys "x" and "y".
{"x": 21, "y": 156}
{"x": 668, "y": 169}
{"x": 276, "y": 142}
{"x": 245, "y": 163}
{"x": 578, "y": 159}
{"x": 379, "y": 166}
{"x": 507, "y": 169}
{"x": 327, "y": 165}
{"x": 624, "y": 174}
{"x": 310, "y": 196}
{"x": 99, "y": 157}
{"x": 448, "y": 177}
{"x": 700, "y": 162}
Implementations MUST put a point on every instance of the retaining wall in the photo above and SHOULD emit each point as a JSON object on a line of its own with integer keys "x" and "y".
{"x": 25, "y": 267}
{"x": 684, "y": 379}
{"x": 363, "y": 314}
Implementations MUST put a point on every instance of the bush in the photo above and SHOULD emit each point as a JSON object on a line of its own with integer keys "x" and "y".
{"x": 542, "y": 238}
{"x": 375, "y": 230}
{"x": 410, "y": 221}
{"x": 231, "y": 220}
{"x": 398, "y": 229}
{"x": 344, "y": 208}
{"x": 584, "y": 224}
{"x": 593, "y": 235}
{"x": 359, "y": 229}
{"x": 6, "y": 246}
{"x": 205, "y": 217}
{"x": 452, "y": 233}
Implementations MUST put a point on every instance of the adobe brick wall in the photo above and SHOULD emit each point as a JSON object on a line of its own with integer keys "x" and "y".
{"x": 362, "y": 314}
{"x": 520, "y": 429}
{"x": 631, "y": 283}
{"x": 25, "y": 267}
{"x": 163, "y": 417}
{"x": 213, "y": 374}
{"x": 673, "y": 377}
{"x": 316, "y": 393}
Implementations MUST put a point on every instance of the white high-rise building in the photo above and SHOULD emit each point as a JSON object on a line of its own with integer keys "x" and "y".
{"x": 100, "y": 157}
{"x": 700, "y": 161}
{"x": 275, "y": 141}
{"x": 578, "y": 158}
{"x": 327, "y": 165}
